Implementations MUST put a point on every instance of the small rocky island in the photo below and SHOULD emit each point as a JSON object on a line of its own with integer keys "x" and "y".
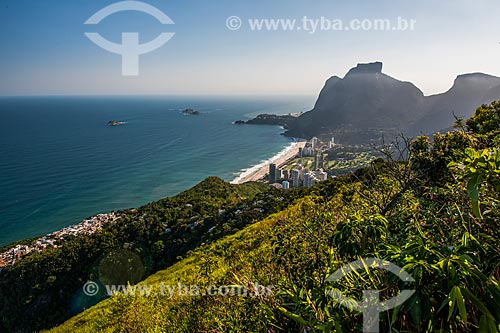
{"x": 115, "y": 123}
{"x": 191, "y": 112}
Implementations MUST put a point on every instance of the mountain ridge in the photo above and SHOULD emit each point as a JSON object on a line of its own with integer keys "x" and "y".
{"x": 368, "y": 100}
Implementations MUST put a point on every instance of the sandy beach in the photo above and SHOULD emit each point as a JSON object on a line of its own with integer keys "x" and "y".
{"x": 259, "y": 171}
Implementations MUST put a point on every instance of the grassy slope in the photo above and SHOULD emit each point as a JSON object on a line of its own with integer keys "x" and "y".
{"x": 251, "y": 256}
{"x": 38, "y": 292}
{"x": 236, "y": 259}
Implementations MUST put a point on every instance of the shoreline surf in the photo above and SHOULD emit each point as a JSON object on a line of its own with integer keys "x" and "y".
{"x": 258, "y": 171}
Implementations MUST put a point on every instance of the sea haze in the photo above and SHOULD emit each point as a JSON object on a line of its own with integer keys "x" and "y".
{"x": 60, "y": 163}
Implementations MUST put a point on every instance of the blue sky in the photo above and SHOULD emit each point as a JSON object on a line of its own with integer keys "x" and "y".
{"x": 43, "y": 50}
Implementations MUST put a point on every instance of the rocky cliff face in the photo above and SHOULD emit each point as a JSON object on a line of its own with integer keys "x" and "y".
{"x": 367, "y": 102}
{"x": 468, "y": 92}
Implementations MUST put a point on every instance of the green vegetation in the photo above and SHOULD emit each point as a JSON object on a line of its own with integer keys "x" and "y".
{"x": 436, "y": 214}
{"x": 307, "y": 162}
{"x": 342, "y": 160}
{"x": 44, "y": 289}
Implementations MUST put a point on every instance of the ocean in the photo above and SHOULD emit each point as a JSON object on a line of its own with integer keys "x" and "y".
{"x": 60, "y": 163}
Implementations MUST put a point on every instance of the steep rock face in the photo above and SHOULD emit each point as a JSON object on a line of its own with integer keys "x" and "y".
{"x": 493, "y": 94}
{"x": 369, "y": 101}
{"x": 467, "y": 93}
{"x": 366, "y": 99}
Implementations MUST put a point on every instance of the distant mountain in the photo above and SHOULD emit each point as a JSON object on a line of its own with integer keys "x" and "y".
{"x": 367, "y": 103}
{"x": 468, "y": 92}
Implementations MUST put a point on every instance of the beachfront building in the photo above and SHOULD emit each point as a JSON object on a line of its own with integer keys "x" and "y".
{"x": 272, "y": 173}
{"x": 308, "y": 151}
{"x": 279, "y": 174}
{"x": 311, "y": 148}
{"x": 285, "y": 184}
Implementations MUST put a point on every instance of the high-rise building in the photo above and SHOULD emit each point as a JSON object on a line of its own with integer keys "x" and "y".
{"x": 278, "y": 175}
{"x": 309, "y": 179}
{"x": 307, "y": 151}
{"x": 318, "y": 160}
{"x": 295, "y": 176}
{"x": 331, "y": 143}
{"x": 285, "y": 185}
{"x": 272, "y": 173}
{"x": 314, "y": 142}
{"x": 313, "y": 177}
{"x": 286, "y": 175}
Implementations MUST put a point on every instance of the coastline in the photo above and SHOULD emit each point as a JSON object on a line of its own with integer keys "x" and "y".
{"x": 259, "y": 171}
{"x": 88, "y": 226}
{"x": 94, "y": 224}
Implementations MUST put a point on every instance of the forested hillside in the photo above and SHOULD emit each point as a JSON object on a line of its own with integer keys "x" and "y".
{"x": 45, "y": 288}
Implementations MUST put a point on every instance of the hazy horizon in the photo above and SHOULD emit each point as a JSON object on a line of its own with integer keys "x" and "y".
{"x": 45, "y": 51}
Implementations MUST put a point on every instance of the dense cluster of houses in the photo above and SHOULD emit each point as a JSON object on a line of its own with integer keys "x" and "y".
{"x": 88, "y": 226}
